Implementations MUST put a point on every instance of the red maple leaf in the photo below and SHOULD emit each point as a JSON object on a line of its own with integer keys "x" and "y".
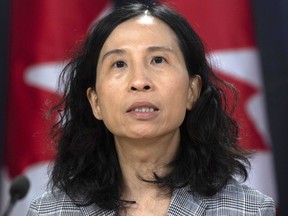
{"x": 249, "y": 136}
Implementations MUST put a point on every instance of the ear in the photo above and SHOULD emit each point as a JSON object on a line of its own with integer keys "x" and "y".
{"x": 194, "y": 91}
{"x": 94, "y": 103}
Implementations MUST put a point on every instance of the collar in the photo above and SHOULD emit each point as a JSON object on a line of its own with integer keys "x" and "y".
{"x": 182, "y": 203}
{"x": 185, "y": 203}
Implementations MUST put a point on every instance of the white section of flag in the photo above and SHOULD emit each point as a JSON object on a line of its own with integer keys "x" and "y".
{"x": 262, "y": 174}
{"x": 44, "y": 76}
{"x": 244, "y": 64}
{"x": 241, "y": 63}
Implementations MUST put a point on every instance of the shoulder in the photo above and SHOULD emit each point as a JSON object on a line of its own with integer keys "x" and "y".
{"x": 241, "y": 199}
{"x": 52, "y": 203}
{"x": 233, "y": 199}
{"x": 241, "y": 192}
{"x": 59, "y": 203}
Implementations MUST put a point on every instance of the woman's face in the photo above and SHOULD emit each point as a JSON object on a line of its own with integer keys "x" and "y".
{"x": 143, "y": 87}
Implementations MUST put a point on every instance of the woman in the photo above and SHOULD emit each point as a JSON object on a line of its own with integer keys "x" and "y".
{"x": 145, "y": 128}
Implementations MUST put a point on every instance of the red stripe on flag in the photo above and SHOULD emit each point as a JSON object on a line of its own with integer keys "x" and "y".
{"x": 41, "y": 31}
{"x": 221, "y": 24}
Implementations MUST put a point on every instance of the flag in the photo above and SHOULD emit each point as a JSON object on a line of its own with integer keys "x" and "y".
{"x": 227, "y": 30}
{"x": 42, "y": 33}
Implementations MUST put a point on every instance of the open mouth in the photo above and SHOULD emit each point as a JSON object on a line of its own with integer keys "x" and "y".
{"x": 144, "y": 109}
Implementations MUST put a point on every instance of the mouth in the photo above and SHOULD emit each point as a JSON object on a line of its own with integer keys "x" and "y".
{"x": 142, "y": 107}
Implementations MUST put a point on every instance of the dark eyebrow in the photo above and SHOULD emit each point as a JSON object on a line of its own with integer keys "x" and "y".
{"x": 114, "y": 51}
{"x": 160, "y": 48}
{"x": 150, "y": 49}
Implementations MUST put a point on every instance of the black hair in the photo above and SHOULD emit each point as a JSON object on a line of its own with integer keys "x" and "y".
{"x": 86, "y": 166}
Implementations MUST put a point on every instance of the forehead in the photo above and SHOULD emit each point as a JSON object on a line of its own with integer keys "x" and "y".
{"x": 141, "y": 30}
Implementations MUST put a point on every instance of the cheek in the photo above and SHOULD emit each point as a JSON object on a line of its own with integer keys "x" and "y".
{"x": 109, "y": 103}
{"x": 178, "y": 89}
{"x": 177, "y": 98}
{"x": 111, "y": 93}
{"x": 108, "y": 111}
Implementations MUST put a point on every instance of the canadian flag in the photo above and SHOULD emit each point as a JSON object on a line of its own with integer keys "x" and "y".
{"x": 42, "y": 33}
{"x": 227, "y": 30}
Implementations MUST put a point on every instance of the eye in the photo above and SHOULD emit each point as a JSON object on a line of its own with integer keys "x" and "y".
{"x": 158, "y": 60}
{"x": 119, "y": 64}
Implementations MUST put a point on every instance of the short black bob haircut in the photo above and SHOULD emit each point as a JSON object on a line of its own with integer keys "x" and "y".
{"x": 86, "y": 164}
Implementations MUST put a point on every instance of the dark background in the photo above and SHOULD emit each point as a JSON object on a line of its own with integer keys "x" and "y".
{"x": 272, "y": 39}
{"x": 4, "y": 22}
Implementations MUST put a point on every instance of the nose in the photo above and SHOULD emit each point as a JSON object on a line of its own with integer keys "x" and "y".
{"x": 140, "y": 80}
{"x": 139, "y": 88}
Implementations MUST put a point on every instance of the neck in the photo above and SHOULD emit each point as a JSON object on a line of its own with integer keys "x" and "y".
{"x": 143, "y": 158}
